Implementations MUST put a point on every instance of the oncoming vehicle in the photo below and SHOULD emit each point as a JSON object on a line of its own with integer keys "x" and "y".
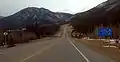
{"x": 76, "y": 34}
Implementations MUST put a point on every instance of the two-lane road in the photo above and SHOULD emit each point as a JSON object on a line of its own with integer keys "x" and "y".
{"x": 54, "y": 50}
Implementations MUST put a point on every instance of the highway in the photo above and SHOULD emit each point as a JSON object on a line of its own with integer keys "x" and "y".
{"x": 55, "y": 49}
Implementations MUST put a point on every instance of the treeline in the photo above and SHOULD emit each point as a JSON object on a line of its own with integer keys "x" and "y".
{"x": 31, "y": 32}
{"x": 44, "y": 30}
{"x": 106, "y": 15}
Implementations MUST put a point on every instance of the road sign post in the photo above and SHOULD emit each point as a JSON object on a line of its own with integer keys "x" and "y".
{"x": 5, "y": 34}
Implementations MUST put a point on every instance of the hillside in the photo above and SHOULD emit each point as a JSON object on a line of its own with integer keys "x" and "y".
{"x": 32, "y": 15}
{"x": 1, "y": 17}
{"x": 105, "y": 13}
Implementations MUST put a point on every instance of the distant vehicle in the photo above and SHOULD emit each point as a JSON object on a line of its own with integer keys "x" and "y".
{"x": 76, "y": 34}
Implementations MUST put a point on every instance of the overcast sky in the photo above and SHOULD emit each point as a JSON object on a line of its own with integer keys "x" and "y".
{"x": 9, "y": 7}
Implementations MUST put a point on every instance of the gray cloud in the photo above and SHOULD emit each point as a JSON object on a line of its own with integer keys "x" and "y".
{"x": 9, "y": 7}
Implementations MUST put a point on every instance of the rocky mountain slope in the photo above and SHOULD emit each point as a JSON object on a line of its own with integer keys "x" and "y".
{"x": 31, "y": 16}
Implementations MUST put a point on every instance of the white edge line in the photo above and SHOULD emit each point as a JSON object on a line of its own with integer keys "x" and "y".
{"x": 77, "y": 48}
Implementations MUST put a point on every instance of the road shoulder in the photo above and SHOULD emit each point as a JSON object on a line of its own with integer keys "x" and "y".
{"x": 112, "y": 53}
{"x": 92, "y": 55}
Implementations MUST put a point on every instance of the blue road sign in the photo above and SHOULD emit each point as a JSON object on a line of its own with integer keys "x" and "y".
{"x": 104, "y": 31}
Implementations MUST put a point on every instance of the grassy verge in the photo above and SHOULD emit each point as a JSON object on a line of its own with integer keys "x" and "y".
{"x": 113, "y": 53}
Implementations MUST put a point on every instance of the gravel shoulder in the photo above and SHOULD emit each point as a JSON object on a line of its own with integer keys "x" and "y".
{"x": 112, "y": 53}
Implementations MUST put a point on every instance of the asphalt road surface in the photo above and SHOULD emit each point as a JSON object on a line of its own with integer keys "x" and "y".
{"x": 58, "y": 49}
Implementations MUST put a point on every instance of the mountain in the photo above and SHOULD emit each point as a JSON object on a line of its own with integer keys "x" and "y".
{"x": 1, "y": 17}
{"x": 63, "y": 16}
{"x": 105, "y": 13}
{"x": 31, "y": 16}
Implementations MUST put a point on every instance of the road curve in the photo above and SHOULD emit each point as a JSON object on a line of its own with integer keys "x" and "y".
{"x": 58, "y": 49}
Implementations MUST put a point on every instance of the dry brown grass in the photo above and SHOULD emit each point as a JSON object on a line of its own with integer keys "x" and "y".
{"x": 96, "y": 45}
{"x": 24, "y": 37}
